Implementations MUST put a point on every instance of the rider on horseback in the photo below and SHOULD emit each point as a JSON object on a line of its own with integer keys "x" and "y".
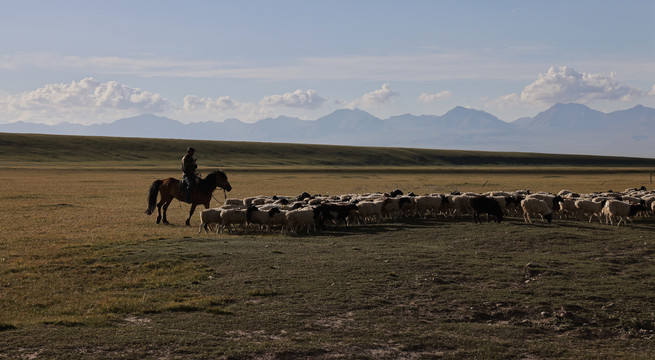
{"x": 190, "y": 173}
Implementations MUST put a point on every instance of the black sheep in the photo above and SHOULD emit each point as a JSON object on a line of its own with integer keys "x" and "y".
{"x": 485, "y": 205}
{"x": 334, "y": 212}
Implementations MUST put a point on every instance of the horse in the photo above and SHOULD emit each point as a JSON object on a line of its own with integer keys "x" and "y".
{"x": 170, "y": 189}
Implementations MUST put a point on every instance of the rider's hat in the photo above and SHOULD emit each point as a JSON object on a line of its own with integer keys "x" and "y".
{"x": 190, "y": 149}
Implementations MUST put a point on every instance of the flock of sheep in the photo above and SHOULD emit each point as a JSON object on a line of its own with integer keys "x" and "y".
{"x": 309, "y": 213}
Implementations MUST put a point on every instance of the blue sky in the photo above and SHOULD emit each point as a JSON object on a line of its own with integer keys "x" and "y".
{"x": 92, "y": 61}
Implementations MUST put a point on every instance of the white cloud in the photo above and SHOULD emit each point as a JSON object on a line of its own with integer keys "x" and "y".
{"x": 428, "y": 98}
{"x": 84, "y": 101}
{"x": 378, "y": 97}
{"x": 193, "y": 103}
{"x": 298, "y": 99}
{"x": 88, "y": 93}
{"x": 652, "y": 91}
{"x": 563, "y": 84}
{"x": 205, "y": 108}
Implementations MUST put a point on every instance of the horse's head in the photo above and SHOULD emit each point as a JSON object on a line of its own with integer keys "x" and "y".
{"x": 221, "y": 181}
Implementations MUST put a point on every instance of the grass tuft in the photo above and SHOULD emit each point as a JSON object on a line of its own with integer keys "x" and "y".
{"x": 7, "y": 327}
{"x": 263, "y": 292}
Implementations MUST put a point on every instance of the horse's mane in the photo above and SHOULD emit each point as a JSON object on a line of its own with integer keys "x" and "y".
{"x": 208, "y": 184}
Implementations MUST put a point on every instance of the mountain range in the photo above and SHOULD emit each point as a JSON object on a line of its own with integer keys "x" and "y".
{"x": 561, "y": 129}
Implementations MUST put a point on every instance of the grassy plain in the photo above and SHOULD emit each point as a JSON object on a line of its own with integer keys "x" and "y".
{"x": 84, "y": 273}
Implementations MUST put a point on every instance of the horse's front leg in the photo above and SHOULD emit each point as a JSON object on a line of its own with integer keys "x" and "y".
{"x": 188, "y": 219}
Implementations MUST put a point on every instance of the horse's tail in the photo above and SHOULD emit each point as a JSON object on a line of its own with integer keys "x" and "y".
{"x": 152, "y": 196}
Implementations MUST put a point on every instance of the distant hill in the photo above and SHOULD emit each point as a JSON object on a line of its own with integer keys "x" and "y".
{"x": 561, "y": 129}
{"x": 19, "y": 150}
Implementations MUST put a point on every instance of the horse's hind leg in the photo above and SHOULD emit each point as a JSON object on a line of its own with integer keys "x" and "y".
{"x": 164, "y": 220}
{"x": 159, "y": 212}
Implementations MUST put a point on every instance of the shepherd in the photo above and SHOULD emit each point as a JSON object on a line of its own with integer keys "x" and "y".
{"x": 189, "y": 172}
{"x": 200, "y": 193}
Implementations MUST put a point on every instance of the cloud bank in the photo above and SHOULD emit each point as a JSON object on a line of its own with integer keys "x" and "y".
{"x": 566, "y": 85}
{"x": 57, "y": 102}
{"x": 90, "y": 101}
{"x": 563, "y": 84}
{"x": 206, "y": 108}
{"x": 428, "y": 98}
{"x": 194, "y": 103}
{"x": 298, "y": 99}
{"x": 375, "y": 98}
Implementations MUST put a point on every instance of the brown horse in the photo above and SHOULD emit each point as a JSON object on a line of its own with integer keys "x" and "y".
{"x": 170, "y": 189}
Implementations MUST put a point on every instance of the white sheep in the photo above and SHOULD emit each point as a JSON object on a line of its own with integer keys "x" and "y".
{"x": 248, "y": 201}
{"x": 261, "y": 218}
{"x": 259, "y": 201}
{"x": 267, "y": 207}
{"x": 622, "y": 210}
{"x": 568, "y": 209}
{"x": 568, "y": 193}
{"x": 209, "y": 218}
{"x": 631, "y": 199}
{"x": 233, "y": 207}
{"x": 233, "y": 201}
{"x": 316, "y": 201}
{"x": 534, "y": 206}
{"x": 299, "y": 218}
{"x": 601, "y": 199}
{"x": 232, "y": 217}
{"x": 551, "y": 200}
{"x": 590, "y": 208}
{"x": 462, "y": 205}
{"x": 279, "y": 219}
{"x": 428, "y": 205}
{"x": 650, "y": 200}
{"x": 370, "y": 211}
{"x": 497, "y": 193}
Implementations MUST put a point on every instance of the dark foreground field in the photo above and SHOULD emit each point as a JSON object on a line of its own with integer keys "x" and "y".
{"x": 84, "y": 273}
{"x": 419, "y": 289}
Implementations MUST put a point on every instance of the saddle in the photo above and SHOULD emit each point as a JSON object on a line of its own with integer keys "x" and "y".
{"x": 183, "y": 184}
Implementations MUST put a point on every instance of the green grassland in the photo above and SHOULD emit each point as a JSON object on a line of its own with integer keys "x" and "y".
{"x": 84, "y": 273}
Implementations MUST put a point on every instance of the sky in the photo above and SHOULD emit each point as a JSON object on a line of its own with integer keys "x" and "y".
{"x": 99, "y": 61}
